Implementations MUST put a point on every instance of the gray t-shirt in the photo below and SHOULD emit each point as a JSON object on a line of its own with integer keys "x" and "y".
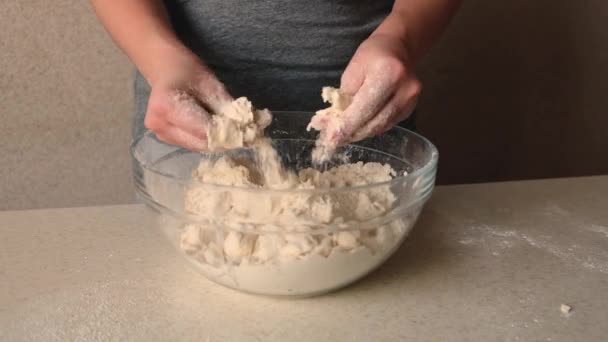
{"x": 277, "y": 53}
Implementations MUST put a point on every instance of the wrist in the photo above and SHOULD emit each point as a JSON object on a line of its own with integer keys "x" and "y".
{"x": 168, "y": 61}
{"x": 394, "y": 27}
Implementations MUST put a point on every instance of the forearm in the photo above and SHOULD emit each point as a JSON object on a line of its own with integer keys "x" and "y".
{"x": 141, "y": 28}
{"x": 418, "y": 23}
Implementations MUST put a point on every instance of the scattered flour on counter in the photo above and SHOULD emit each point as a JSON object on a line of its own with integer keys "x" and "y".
{"x": 265, "y": 230}
{"x": 553, "y": 209}
{"x": 596, "y": 228}
{"x": 496, "y": 239}
{"x": 466, "y": 241}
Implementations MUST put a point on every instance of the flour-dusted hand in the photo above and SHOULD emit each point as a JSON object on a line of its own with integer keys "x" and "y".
{"x": 381, "y": 77}
{"x": 184, "y": 89}
{"x": 383, "y": 87}
{"x": 379, "y": 84}
{"x": 180, "y": 105}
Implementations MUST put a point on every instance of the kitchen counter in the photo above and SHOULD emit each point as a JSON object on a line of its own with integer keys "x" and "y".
{"x": 486, "y": 262}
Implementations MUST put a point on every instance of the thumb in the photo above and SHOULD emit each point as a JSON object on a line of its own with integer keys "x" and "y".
{"x": 212, "y": 93}
{"x": 187, "y": 114}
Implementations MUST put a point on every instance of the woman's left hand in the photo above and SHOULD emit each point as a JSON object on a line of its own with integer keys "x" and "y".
{"x": 384, "y": 88}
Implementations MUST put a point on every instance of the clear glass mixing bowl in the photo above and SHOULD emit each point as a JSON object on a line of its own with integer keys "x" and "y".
{"x": 300, "y": 258}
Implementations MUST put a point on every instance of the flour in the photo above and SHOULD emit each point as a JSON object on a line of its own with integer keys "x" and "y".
{"x": 596, "y": 228}
{"x": 265, "y": 228}
{"x": 496, "y": 239}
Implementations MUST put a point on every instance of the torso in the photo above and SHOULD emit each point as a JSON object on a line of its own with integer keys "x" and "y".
{"x": 277, "y": 53}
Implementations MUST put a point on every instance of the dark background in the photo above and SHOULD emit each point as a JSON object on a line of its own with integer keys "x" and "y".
{"x": 517, "y": 90}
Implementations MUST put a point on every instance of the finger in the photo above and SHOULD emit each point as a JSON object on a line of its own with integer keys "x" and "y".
{"x": 352, "y": 78}
{"x": 382, "y": 80}
{"x": 411, "y": 96}
{"x": 398, "y": 108}
{"x": 318, "y": 122}
{"x": 374, "y": 126}
{"x": 187, "y": 114}
{"x": 176, "y": 136}
{"x": 211, "y": 92}
{"x": 404, "y": 114}
{"x": 370, "y": 98}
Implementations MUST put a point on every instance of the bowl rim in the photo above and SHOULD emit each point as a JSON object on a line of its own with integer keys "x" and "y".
{"x": 428, "y": 167}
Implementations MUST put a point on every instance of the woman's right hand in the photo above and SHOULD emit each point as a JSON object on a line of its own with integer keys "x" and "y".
{"x": 180, "y": 103}
{"x": 184, "y": 90}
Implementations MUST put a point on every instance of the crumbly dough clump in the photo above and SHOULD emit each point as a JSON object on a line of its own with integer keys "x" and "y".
{"x": 292, "y": 219}
{"x": 237, "y": 125}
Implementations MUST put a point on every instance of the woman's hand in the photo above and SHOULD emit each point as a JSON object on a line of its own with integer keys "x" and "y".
{"x": 184, "y": 90}
{"x": 380, "y": 76}
{"x": 384, "y": 89}
{"x": 180, "y": 102}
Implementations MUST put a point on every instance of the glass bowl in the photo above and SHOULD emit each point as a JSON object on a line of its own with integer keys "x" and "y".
{"x": 304, "y": 255}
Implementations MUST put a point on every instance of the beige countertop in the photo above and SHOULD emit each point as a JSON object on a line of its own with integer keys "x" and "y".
{"x": 488, "y": 262}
